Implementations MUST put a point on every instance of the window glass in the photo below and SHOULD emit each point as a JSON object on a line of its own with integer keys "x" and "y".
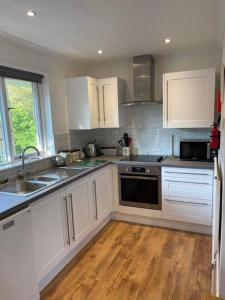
{"x": 23, "y": 116}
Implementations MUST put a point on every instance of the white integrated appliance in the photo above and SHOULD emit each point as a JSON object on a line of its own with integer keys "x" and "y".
{"x": 17, "y": 263}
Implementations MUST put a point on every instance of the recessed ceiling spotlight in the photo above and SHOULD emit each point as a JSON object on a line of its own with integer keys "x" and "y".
{"x": 31, "y": 13}
{"x": 167, "y": 41}
{"x": 100, "y": 51}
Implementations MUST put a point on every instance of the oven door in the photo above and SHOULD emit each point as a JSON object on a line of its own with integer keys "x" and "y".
{"x": 140, "y": 191}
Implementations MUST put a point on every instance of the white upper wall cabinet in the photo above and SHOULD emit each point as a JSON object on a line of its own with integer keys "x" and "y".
{"x": 189, "y": 99}
{"x": 83, "y": 103}
{"x": 94, "y": 103}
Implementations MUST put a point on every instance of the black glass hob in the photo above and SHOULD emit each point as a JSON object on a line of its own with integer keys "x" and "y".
{"x": 143, "y": 158}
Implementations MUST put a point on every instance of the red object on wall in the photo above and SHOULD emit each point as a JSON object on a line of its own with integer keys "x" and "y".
{"x": 218, "y": 101}
{"x": 215, "y": 138}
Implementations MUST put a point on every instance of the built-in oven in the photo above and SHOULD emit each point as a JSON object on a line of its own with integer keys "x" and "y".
{"x": 140, "y": 186}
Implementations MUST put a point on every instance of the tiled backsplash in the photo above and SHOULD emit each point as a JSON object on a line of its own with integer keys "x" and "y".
{"x": 10, "y": 171}
{"x": 145, "y": 128}
{"x": 62, "y": 141}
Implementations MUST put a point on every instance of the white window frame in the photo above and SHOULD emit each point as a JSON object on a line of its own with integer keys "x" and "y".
{"x": 7, "y": 128}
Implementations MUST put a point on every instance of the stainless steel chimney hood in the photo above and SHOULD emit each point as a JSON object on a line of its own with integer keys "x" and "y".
{"x": 143, "y": 78}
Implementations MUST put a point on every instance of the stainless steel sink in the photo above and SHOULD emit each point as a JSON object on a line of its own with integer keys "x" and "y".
{"x": 44, "y": 178}
{"x": 22, "y": 188}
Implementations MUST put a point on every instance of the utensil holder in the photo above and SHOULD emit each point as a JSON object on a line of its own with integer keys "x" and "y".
{"x": 126, "y": 151}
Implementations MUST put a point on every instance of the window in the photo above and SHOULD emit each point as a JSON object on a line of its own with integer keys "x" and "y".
{"x": 20, "y": 117}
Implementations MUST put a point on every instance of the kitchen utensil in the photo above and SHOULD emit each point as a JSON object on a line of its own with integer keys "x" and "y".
{"x": 126, "y": 139}
{"x": 120, "y": 142}
{"x": 129, "y": 141}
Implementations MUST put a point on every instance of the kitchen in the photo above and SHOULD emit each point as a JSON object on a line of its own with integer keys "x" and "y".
{"x": 143, "y": 220}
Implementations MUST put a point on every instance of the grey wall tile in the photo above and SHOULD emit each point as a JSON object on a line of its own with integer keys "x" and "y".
{"x": 145, "y": 128}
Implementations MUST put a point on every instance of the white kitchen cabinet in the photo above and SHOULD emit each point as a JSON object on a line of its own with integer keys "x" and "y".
{"x": 111, "y": 94}
{"x": 79, "y": 196}
{"x": 102, "y": 193}
{"x": 187, "y": 195}
{"x": 95, "y": 103}
{"x": 50, "y": 231}
{"x": 189, "y": 99}
{"x": 83, "y": 103}
{"x": 63, "y": 220}
{"x": 17, "y": 272}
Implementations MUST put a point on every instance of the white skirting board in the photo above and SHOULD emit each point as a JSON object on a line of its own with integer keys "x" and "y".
{"x": 48, "y": 278}
{"x": 162, "y": 223}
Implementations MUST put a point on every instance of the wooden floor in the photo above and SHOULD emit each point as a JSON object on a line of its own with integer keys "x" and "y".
{"x": 129, "y": 261}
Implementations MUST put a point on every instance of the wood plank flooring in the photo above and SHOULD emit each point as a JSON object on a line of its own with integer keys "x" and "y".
{"x": 130, "y": 261}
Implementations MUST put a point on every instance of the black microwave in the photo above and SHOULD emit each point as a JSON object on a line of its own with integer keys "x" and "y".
{"x": 196, "y": 150}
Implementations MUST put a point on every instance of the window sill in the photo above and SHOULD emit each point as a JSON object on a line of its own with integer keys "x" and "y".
{"x": 28, "y": 161}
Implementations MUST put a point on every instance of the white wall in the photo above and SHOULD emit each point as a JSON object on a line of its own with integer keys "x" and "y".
{"x": 172, "y": 63}
{"x": 56, "y": 66}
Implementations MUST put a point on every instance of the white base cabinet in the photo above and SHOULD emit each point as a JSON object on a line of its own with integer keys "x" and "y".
{"x": 17, "y": 262}
{"x": 80, "y": 201}
{"x": 189, "y": 99}
{"x": 50, "y": 230}
{"x": 187, "y": 195}
{"x": 63, "y": 220}
{"x": 102, "y": 193}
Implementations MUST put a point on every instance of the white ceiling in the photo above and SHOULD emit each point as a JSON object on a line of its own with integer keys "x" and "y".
{"x": 120, "y": 27}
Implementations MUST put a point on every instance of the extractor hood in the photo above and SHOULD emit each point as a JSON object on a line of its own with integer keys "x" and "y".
{"x": 143, "y": 80}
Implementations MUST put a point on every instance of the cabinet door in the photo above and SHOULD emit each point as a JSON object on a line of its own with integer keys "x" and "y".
{"x": 108, "y": 95}
{"x": 93, "y": 103}
{"x": 78, "y": 194}
{"x": 102, "y": 190}
{"x": 50, "y": 232}
{"x": 189, "y": 99}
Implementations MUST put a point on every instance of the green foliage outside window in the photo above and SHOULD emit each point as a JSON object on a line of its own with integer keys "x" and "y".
{"x": 22, "y": 113}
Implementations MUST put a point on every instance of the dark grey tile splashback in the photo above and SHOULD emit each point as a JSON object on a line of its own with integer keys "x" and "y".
{"x": 145, "y": 128}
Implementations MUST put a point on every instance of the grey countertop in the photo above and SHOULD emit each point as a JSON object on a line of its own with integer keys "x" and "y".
{"x": 9, "y": 203}
{"x": 166, "y": 162}
{"x": 176, "y": 162}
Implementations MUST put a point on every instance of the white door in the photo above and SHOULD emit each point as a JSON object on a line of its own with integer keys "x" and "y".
{"x": 93, "y": 102}
{"x": 79, "y": 197}
{"x": 108, "y": 95}
{"x": 17, "y": 263}
{"x": 102, "y": 190}
{"x": 50, "y": 229}
{"x": 189, "y": 99}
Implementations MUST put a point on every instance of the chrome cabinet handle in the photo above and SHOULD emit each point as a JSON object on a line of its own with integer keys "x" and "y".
{"x": 103, "y": 98}
{"x": 73, "y": 225}
{"x": 181, "y": 173}
{"x": 8, "y": 225}
{"x": 195, "y": 203}
{"x": 205, "y": 183}
{"x": 95, "y": 199}
{"x": 98, "y": 104}
{"x": 67, "y": 220}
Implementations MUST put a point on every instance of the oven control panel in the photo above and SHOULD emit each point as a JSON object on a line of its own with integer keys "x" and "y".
{"x": 149, "y": 170}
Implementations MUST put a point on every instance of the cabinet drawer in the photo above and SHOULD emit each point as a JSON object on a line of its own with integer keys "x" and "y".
{"x": 198, "y": 213}
{"x": 187, "y": 188}
{"x": 192, "y": 174}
